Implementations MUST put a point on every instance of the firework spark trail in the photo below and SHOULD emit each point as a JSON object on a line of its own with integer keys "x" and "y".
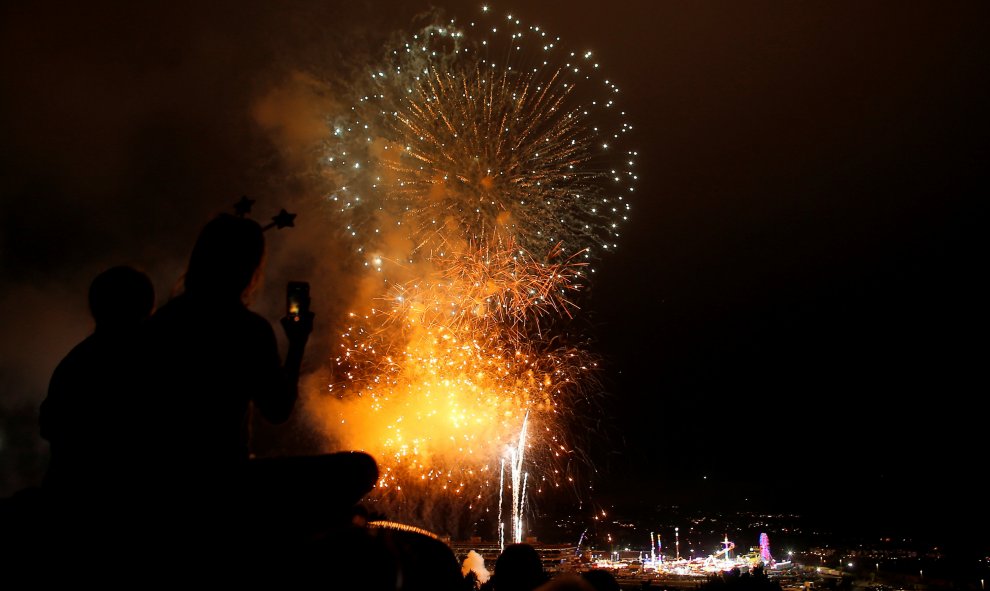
{"x": 477, "y": 189}
{"x": 501, "y": 493}
{"x": 494, "y": 283}
{"x": 518, "y": 483}
{"x": 455, "y": 390}
{"x": 510, "y": 184}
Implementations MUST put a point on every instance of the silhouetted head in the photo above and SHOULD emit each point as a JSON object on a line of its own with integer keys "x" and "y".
{"x": 121, "y": 297}
{"x": 601, "y": 580}
{"x": 519, "y": 568}
{"x": 226, "y": 260}
{"x": 569, "y": 582}
{"x": 359, "y": 516}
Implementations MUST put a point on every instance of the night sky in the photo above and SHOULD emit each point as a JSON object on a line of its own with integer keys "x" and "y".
{"x": 793, "y": 311}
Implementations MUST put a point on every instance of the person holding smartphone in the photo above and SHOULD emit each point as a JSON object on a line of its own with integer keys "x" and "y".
{"x": 210, "y": 359}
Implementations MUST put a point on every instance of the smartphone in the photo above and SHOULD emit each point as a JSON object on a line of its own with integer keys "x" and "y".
{"x": 296, "y": 299}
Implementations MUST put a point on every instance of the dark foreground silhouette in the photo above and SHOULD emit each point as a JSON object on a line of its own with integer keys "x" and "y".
{"x": 148, "y": 420}
{"x": 518, "y": 568}
{"x": 734, "y": 580}
{"x": 208, "y": 359}
{"x": 85, "y": 415}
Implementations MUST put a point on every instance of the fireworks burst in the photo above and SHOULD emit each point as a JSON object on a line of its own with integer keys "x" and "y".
{"x": 479, "y": 173}
{"x": 463, "y": 135}
{"x": 449, "y": 368}
{"x": 492, "y": 284}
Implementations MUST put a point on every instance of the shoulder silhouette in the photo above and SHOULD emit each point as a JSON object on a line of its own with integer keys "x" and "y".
{"x": 84, "y": 415}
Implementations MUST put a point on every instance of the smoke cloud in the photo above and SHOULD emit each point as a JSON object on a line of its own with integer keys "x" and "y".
{"x": 474, "y": 562}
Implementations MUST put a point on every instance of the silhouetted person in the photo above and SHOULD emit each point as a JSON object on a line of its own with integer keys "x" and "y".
{"x": 210, "y": 359}
{"x": 424, "y": 562}
{"x": 568, "y": 582}
{"x": 734, "y": 580}
{"x": 85, "y": 415}
{"x": 601, "y": 580}
{"x": 518, "y": 568}
{"x": 359, "y": 516}
{"x": 86, "y": 418}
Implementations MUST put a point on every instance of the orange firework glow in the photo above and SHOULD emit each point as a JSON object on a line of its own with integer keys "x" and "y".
{"x": 448, "y": 369}
{"x": 475, "y": 181}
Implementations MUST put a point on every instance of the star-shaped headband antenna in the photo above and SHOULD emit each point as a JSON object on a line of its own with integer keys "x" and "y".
{"x": 284, "y": 219}
{"x": 243, "y": 207}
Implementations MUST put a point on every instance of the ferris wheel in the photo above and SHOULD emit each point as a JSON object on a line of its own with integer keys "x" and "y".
{"x": 765, "y": 555}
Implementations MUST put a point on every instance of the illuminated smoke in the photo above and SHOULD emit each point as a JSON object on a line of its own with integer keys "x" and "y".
{"x": 479, "y": 174}
{"x": 474, "y": 562}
